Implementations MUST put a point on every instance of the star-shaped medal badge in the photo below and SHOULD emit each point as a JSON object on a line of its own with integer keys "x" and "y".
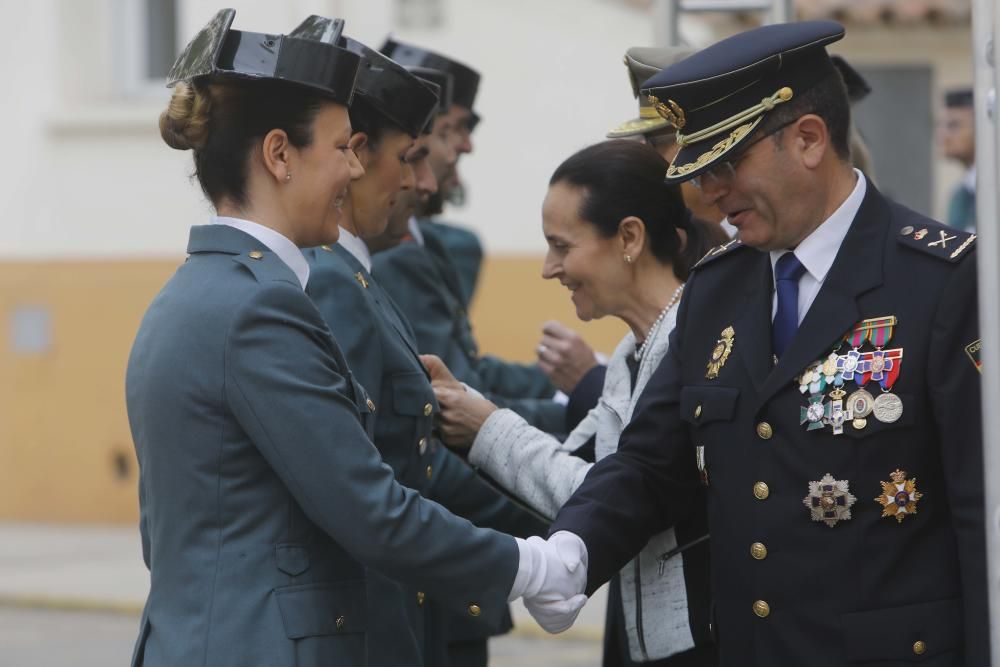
{"x": 829, "y": 500}
{"x": 815, "y": 413}
{"x": 899, "y": 497}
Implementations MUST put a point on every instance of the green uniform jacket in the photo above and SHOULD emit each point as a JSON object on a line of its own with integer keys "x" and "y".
{"x": 262, "y": 499}
{"x": 464, "y": 250}
{"x": 420, "y": 279}
{"x": 380, "y": 348}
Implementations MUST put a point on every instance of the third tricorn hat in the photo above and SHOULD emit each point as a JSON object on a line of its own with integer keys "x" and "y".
{"x": 717, "y": 97}
{"x": 218, "y": 52}
{"x": 857, "y": 87}
{"x": 384, "y": 84}
{"x": 465, "y": 79}
{"x": 642, "y": 63}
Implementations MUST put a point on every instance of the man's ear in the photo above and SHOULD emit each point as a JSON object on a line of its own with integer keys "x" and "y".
{"x": 812, "y": 138}
{"x": 276, "y": 152}
{"x": 359, "y": 144}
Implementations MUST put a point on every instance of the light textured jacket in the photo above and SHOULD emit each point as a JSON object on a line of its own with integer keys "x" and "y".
{"x": 544, "y": 473}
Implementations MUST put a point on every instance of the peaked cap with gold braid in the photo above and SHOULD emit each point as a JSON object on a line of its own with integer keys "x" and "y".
{"x": 717, "y": 97}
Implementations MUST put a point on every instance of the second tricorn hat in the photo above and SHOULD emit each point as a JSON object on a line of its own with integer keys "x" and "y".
{"x": 465, "y": 79}
{"x": 384, "y": 84}
{"x": 642, "y": 63}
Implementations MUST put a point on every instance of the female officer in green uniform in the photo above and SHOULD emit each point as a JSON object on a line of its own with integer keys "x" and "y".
{"x": 392, "y": 108}
{"x": 261, "y": 497}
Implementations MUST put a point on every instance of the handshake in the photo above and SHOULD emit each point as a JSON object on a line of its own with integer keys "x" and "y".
{"x": 551, "y": 577}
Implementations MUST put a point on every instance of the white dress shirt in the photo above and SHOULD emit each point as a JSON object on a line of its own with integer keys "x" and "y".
{"x": 277, "y": 243}
{"x": 818, "y": 250}
{"x": 356, "y": 247}
{"x": 415, "y": 232}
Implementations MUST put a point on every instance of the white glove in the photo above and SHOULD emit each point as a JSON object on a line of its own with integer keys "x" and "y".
{"x": 551, "y": 577}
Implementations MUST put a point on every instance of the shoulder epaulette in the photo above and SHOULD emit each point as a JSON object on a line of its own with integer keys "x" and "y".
{"x": 265, "y": 266}
{"x": 939, "y": 240}
{"x": 719, "y": 251}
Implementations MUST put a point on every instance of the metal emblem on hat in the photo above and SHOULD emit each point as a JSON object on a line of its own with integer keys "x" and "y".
{"x": 829, "y": 500}
{"x": 670, "y": 112}
{"x": 720, "y": 353}
{"x": 899, "y": 497}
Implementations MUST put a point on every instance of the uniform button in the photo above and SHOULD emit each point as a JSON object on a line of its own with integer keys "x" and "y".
{"x": 762, "y": 609}
{"x": 340, "y": 622}
{"x": 474, "y": 610}
{"x": 758, "y": 551}
{"x": 697, "y": 411}
{"x": 428, "y": 409}
{"x": 906, "y": 231}
{"x": 420, "y": 598}
{"x": 327, "y": 248}
{"x": 760, "y": 491}
{"x": 764, "y": 431}
{"x": 919, "y": 647}
{"x": 371, "y": 404}
{"x": 422, "y": 445}
{"x": 430, "y": 471}
{"x": 256, "y": 254}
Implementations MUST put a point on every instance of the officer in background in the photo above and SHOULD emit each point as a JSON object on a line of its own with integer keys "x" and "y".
{"x": 392, "y": 104}
{"x": 461, "y": 246}
{"x": 958, "y": 143}
{"x": 844, "y": 477}
{"x": 421, "y": 278}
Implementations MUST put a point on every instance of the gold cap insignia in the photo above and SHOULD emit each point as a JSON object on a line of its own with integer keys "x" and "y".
{"x": 670, "y": 112}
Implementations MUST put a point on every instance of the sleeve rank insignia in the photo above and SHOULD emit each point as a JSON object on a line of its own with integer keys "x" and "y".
{"x": 899, "y": 497}
{"x": 947, "y": 243}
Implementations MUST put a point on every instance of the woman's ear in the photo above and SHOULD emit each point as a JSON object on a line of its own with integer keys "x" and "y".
{"x": 632, "y": 232}
{"x": 359, "y": 144}
{"x": 276, "y": 152}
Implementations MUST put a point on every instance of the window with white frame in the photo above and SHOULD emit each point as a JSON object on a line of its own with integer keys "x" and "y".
{"x": 146, "y": 44}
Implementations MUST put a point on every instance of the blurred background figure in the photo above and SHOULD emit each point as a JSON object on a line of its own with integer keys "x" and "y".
{"x": 958, "y": 143}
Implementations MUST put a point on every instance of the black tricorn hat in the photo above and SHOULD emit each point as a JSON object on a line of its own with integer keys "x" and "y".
{"x": 959, "y": 97}
{"x": 441, "y": 83}
{"x": 717, "y": 97}
{"x": 384, "y": 84}
{"x": 220, "y": 52}
{"x": 857, "y": 87}
{"x": 465, "y": 79}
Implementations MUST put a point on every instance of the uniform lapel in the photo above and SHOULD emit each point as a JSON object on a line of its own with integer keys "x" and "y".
{"x": 856, "y": 270}
{"x": 752, "y": 343}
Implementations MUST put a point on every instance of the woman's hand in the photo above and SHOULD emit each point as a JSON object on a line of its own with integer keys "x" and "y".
{"x": 440, "y": 375}
{"x": 462, "y": 414}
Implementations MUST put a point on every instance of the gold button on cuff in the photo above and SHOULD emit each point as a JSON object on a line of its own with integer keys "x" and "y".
{"x": 420, "y": 598}
{"x": 256, "y": 254}
{"x": 371, "y": 404}
{"x": 764, "y": 431}
{"x": 340, "y": 622}
{"x": 762, "y": 609}
{"x": 430, "y": 471}
{"x": 758, "y": 551}
{"x": 697, "y": 411}
{"x": 428, "y": 409}
{"x": 919, "y": 647}
{"x": 474, "y": 610}
{"x": 760, "y": 491}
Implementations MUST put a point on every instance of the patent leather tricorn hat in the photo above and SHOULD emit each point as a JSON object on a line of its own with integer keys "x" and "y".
{"x": 219, "y": 52}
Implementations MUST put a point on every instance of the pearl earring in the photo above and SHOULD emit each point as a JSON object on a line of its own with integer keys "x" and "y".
{"x": 288, "y": 176}
{"x": 628, "y": 259}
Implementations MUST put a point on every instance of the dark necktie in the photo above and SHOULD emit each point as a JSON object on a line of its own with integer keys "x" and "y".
{"x": 787, "y": 272}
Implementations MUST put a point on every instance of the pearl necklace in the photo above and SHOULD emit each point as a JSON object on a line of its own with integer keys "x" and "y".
{"x": 656, "y": 323}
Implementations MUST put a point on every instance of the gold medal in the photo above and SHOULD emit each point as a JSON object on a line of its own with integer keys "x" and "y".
{"x": 723, "y": 347}
{"x": 899, "y": 497}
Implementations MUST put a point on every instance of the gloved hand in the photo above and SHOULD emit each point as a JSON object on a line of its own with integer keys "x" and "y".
{"x": 551, "y": 577}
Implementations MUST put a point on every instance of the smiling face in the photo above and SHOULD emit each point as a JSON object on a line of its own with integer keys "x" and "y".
{"x": 324, "y": 169}
{"x": 386, "y": 173}
{"x": 590, "y": 266}
{"x": 424, "y": 186}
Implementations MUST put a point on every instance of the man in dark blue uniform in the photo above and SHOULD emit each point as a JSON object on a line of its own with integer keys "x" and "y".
{"x": 822, "y": 385}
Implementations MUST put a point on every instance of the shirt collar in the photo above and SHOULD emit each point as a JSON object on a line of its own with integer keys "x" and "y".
{"x": 356, "y": 247}
{"x": 415, "y": 232}
{"x": 818, "y": 250}
{"x": 277, "y": 243}
{"x": 969, "y": 179}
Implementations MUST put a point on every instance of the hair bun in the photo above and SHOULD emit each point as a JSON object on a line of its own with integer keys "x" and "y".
{"x": 184, "y": 124}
